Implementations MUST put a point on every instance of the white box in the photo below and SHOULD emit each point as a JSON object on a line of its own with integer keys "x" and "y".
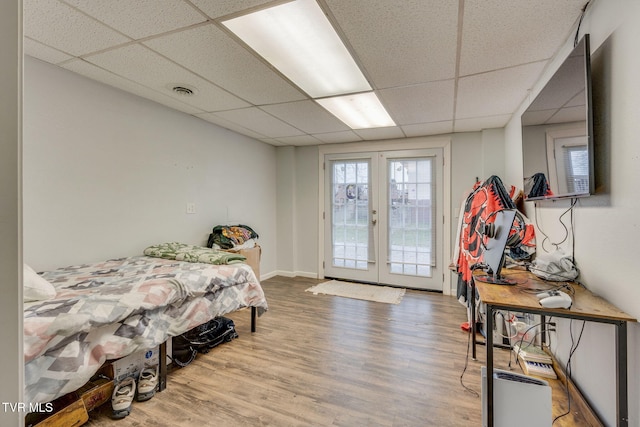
{"x": 518, "y": 400}
{"x": 131, "y": 365}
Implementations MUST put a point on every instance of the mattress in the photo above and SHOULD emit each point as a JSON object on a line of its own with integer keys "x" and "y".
{"x": 110, "y": 309}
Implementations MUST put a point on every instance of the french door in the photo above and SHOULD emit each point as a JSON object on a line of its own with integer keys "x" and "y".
{"x": 381, "y": 218}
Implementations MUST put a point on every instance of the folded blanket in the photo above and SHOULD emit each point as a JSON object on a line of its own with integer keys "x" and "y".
{"x": 189, "y": 253}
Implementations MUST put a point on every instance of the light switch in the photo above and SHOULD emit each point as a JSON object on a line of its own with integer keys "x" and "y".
{"x": 191, "y": 208}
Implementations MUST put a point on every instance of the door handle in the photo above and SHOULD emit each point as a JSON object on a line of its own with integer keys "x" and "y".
{"x": 374, "y": 221}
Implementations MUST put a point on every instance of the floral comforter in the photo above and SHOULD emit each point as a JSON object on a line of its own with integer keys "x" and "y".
{"x": 108, "y": 310}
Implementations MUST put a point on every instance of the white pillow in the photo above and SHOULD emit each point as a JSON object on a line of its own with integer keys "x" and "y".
{"x": 36, "y": 288}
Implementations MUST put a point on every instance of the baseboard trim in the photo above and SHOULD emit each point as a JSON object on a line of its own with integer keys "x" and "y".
{"x": 306, "y": 274}
{"x": 283, "y": 273}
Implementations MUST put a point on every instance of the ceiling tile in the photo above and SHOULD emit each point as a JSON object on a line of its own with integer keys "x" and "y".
{"x": 258, "y": 121}
{"x": 495, "y": 93}
{"x": 96, "y": 73}
{"x": 410, "y": 52}
{"x": 273, "y": 142}
{"x": 43, "y": 52}
{"x": 141, "y": 18}
{"x": 137, "y": 63}
{"x": 536, "y": 117}
{"x": 298, "y": 140}
{"x": 569, "y": 114}
{"x": 499, "y": 34}
{"x": 211, "y": 53}
{"x": 435, "y": 128}
{"x": 429, "y": 102}
{"x": 337, "y": 137}
{"x": 227, "y": 124}
{"x": 399, "y": 46}
{"x": 380, "y": 133}
{"x": 219, "y": 8}
{"x": 306, "y": 116}
{"x": 66, "y": 29}
{"x": 480, "y": 123}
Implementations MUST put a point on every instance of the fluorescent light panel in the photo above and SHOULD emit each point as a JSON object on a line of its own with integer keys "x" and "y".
{"x": 298, "y": 40}
{"x": 358, "y": 111}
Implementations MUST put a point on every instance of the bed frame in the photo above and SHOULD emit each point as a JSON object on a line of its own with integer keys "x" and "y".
{"x": 162, "y": 365}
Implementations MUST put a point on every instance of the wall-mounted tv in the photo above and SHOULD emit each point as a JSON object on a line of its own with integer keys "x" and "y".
{"x": 557, "y": 132}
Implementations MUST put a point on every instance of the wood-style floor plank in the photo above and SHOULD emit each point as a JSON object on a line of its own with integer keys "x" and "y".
{"x": 319, "y": 360}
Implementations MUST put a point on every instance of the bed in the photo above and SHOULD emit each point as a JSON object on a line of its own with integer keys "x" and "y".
{"x": 108, "y": 310}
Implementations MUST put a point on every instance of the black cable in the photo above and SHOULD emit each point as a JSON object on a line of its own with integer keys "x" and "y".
{"x": 530, "y": 342}
{"x": 558, "y": 287}
{"x": 546, "y": 237}
{"x": 535, "y": 219}
{"x": 572, "y": 350}
{"x": 517, "y": 282}
{"x": 466, "y": 363}
{"x": 566, "y": 230}
{"x": 584, "y": 9}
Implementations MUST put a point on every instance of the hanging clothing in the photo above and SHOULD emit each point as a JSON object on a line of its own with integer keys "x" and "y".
{"x": 483, "y": 202}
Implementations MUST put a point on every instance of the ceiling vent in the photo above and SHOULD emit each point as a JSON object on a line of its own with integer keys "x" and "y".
{"x": 183, "y": 90}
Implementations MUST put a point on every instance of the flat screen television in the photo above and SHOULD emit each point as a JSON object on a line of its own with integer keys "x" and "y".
{"x": 557, "y": 132}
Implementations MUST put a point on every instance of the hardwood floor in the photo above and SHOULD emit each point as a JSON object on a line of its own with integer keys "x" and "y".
{"x": 319, "y": 360}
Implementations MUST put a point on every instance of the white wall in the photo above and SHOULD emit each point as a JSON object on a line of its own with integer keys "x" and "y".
{"x": 286, "y": 181}
{"x": 12, "y": 366}
{"x": 606, "y": 225}
{"x": 107, "y": 173}
{"x": 307, "y": 218}
{"x": 297, "y": 211}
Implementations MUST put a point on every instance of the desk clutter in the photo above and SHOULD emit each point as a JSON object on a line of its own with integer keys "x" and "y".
{"x": 525, "y": 298}
{"x": 237, "y": 239}
{"x": 555, "y": 299}
{"x": 534, "y": 360}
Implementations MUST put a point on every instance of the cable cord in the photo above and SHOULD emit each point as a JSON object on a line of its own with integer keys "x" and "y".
{"x": 466, "y": 364}
{"x": 574, "y": 347}
{"x": 567, "y": 230}
{"x": 565, "y": 287}
{"x": 530, "y": 341}
{"x": 584, "y": 9}
{"x": 505, "y": 323}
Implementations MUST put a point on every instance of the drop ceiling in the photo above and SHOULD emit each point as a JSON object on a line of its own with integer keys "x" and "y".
{"x": 438, "y": 66}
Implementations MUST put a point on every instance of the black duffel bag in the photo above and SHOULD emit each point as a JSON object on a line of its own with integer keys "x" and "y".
{"x": 201, "y": 339}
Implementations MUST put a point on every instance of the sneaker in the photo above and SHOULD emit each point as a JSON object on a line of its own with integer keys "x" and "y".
{"x": 147, "y": 383}
{"x": 122, "y": 397}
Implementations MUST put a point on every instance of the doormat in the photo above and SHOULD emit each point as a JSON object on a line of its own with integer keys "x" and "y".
{"x": 376, "y": 293}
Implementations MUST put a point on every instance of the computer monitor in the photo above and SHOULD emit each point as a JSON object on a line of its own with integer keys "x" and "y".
{"x": 494, "y": 237}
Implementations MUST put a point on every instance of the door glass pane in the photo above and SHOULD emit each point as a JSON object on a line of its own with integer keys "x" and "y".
{"x": 350, "y": 213}
{"x": 410, "y": 208}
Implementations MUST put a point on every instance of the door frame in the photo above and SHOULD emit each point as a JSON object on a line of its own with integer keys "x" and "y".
{"x": 393, "y": 145}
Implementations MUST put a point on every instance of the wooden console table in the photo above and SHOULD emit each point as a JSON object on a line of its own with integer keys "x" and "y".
{"x": 586, "y": 306}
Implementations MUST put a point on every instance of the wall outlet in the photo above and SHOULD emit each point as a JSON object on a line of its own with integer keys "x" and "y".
{"x": 191, "y": 208}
